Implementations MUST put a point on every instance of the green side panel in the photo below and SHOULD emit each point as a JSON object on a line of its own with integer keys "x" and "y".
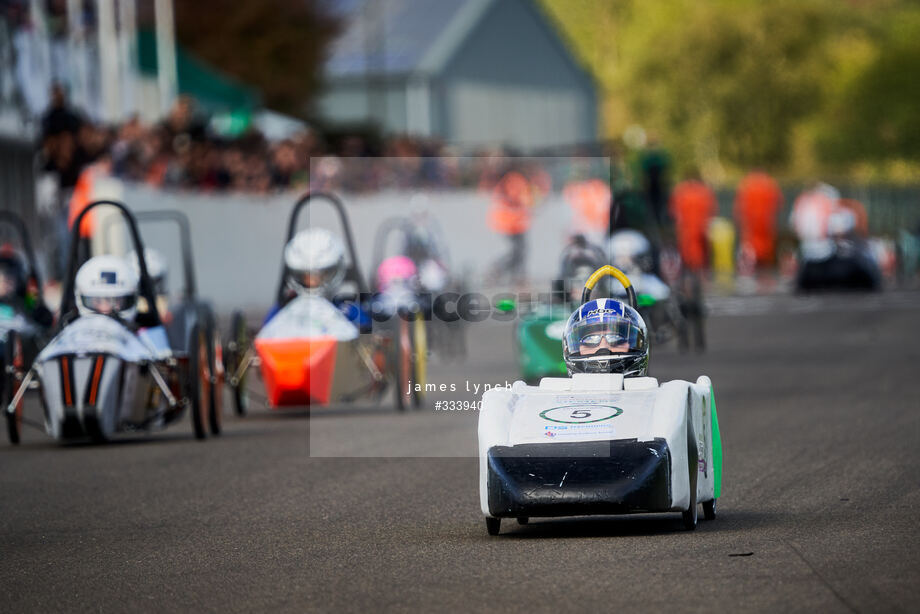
{"x": 716, "y": 445}
{"x": 540, "y": 355}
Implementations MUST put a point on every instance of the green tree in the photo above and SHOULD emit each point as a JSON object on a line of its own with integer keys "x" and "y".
{"x": 796, "y": 86}
{"x": 278, "y": 46}
{"x": 872, "y": 113}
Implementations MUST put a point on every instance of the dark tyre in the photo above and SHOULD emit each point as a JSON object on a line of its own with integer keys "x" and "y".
{"x": 215, "y": 372}
{"x": 691, "y": 516}
{"x": 402, "y": 367}
{"x": 197, "y": 381}
{"x": 236, "y": 349}
{"x": 13, "y": 364}
{"x": 709, "y": 510}
{"x": 493, "y": 525}
{"x": 419, "y": 360}
{"x": 522, "y": 520}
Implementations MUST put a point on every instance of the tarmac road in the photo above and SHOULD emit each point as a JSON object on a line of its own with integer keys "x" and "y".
{"x": 820, "y": 419}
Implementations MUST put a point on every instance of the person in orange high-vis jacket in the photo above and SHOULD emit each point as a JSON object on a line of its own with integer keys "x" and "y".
{"x": 692, "y": 206}
{"x": 590, "y": 203}
{"x": 757, "y": 204}
{"x": 510, "y": 215}
{"x": 82, "y": 196}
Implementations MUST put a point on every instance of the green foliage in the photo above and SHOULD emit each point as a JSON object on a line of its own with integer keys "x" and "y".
{"x": 276, "y": 45}
{"x": 732, "y": 84}
{"x": 875, "y": 113}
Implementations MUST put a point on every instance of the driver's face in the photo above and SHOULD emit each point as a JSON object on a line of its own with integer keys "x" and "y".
{"x": 104, "y": 306}
{"x": 311, "y": 280}
{"x": 619, "y": 348}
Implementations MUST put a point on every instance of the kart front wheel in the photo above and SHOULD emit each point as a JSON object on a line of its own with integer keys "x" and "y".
{"x": 197, "y": 380}
{"x": 691, "y": 516}
{"x": 419, "y": 360}
{"x": 12, "y": 369}
{"x": 236, "y": 351}
{"x": 403, "y": 367}
{"x": 709, "y": 510}
{"x": 493, "y": 525}
{"x": 215, "y": 373}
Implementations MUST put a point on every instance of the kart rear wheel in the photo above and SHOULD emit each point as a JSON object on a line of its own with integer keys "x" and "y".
{"x": 197, "y": 378}
{"x": 691, "y": 516}
{"x": 419, "y": 360}
{"x": 403, "y": 363}
{"x": 493, "y": 525}
{"x": 236, "y": 350}
{"x": 709, "y": 509}
{"x": 13, "y": 362}
{"x": 522, "y": 520}
{"x": 215, "y": 372}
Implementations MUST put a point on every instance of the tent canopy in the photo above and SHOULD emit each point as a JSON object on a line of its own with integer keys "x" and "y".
{"x": 214, "y": 91}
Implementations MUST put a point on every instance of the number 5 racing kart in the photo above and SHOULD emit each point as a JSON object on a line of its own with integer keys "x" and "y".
{"x": 101, "y": 375}
{"x": 311, "y": 353}
{"x": 599, "y": 443}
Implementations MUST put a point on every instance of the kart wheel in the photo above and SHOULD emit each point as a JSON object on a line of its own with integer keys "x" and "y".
{"x": 236, "y": 349}
{"x": 691, "y": 516}
{"x": 420, "y": 360}
{"x": 709, "y": 510}
{"x": 13, "y": 362}
{"x": 197, "y": 379}
{"x": 215, "y": 372}
{"x": 403, "y": 366}
{"x": 522, "y": 520}
{"x": 493, "y": 525}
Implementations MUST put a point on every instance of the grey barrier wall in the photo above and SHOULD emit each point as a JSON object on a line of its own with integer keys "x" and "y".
{"x": 238, "y": 239}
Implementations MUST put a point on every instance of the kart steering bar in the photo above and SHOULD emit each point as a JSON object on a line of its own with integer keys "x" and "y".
{"x": 617, "y": 274}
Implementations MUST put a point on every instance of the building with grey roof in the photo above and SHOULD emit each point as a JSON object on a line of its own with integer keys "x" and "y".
{"x": 471, "y": 72}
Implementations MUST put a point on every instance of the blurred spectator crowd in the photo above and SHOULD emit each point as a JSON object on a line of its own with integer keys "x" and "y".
{"x": 182, "y": 152}
{"x": 178, "y": 152}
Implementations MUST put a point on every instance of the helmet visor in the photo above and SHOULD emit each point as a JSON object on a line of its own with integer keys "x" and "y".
{"x": 319, "y": 278}
{"x": 109, "y": 305}
{"x": 612, "y": 336}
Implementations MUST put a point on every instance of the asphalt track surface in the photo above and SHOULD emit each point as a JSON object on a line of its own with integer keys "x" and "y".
{"x": 820, "y": 419}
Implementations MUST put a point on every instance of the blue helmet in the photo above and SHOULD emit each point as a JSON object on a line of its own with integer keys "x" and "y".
{"x": 606, "y": 336}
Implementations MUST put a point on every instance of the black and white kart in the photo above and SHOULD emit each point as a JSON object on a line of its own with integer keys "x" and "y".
{"x": 599, "y": 444}
{"x": 100, "y": 376}
{"x": 186, "y": 310}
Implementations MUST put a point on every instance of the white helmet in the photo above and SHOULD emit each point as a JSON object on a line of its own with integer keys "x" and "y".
{"x": 107, "y": 285}
{"x": 157, "y": 268}
{"x": 315, "y": 261}
{"x": 630, "y": 251}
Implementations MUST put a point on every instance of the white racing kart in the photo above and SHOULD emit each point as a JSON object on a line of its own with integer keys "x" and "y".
{"x": 100, "y": 376}
{"x": 598, "y": 444}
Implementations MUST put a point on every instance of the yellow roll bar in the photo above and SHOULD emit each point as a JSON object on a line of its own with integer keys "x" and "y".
{"x": 609, "y": 271}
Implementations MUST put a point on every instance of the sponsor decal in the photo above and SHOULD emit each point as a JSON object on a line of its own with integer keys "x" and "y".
{"x": 581, "y": 413}
{"x": 578, "y": 430}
